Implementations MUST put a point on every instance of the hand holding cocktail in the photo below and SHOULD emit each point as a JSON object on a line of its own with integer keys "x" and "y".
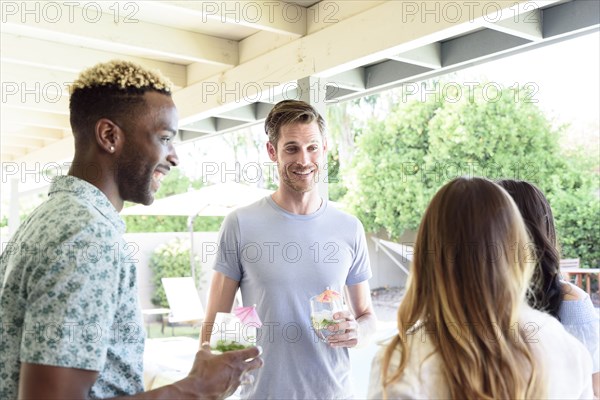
{"x": 219, "y": 375}
{"x": 236, "y": 331}
{"x": 323, "y": 307}
{"x": 344, "y": 333}
{"x": 331, "y": 320}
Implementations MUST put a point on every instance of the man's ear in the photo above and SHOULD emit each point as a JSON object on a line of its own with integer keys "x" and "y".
{"x": 108, "y": 135}
{"x": 272, "y": 152}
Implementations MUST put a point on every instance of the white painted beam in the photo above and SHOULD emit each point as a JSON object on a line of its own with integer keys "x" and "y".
{"x": 140, "y": 39}
{"x": 396, "y": 27}
{"x": 353, "y": 79}
{"x": 6, "y": 157}
{"x": 14, "y": 151}
{"x": 224, "y": 125}
{"x": 205, "y": 126}
{"x": 271, "y": 16}
{"x": 261, "y": 43}
{"x": 21, "y": 142}
{"x": 326, "y": 13}
{"x": 186, "y": 135}
{"x": 334, "y": 94}
{"x": 197, "y": 72}
{"x": 23, "y": 80}
{"x": 466, "y": 49}
{"x": 246, "y": 113}
{"x": 32, "y": 133}
{"x": 35, "y": 101}
{"x": 42, "y": 53}
{"x": 320, "y": 54}
{"x": 36, "y": 119}
{"x": 58, "y": 151}
{"x": 287, "y": 91}
{"x": 527, "y": 25}
{"x": 428, "y": 56}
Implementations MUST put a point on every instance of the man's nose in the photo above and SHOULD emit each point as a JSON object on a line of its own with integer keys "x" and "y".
{"x": 172, "y": 156}
{"x": 304, "y": 158}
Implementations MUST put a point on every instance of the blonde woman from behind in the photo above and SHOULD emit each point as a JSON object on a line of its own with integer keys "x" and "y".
{"x": 464, "y": 327}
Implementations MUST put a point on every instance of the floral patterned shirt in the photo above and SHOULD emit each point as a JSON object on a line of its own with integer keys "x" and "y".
{"x": 69, "y": 293}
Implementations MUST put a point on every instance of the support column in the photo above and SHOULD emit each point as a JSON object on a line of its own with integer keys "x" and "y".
{"x": 312, "y": 91}
{"x": 13, "y": 208}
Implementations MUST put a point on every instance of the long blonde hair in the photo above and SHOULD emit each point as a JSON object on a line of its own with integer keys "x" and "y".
{"x": 470, "y": 273}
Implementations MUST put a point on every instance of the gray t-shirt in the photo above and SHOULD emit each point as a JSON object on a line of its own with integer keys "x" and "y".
{"x": 69, "y": 294}
{"x": 281, "y": 260}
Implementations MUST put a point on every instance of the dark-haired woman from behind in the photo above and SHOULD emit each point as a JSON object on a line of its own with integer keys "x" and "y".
{"x": 563, "y": 300}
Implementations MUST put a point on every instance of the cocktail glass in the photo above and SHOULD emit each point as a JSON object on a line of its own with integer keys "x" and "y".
{"x": 321, "y": 315}
{"x": 228, "y": 334}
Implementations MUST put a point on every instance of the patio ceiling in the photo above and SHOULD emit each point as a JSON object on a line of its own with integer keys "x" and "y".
{"x": 232, "y": 60}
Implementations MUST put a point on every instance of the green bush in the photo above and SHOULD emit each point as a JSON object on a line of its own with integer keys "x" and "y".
{"x": 337, "y": 189}
{"x": 171, "y": 260}
{"x": 402, "y": 161}
{"x": 174, "y": 183}
{"x": 169, "y": 223}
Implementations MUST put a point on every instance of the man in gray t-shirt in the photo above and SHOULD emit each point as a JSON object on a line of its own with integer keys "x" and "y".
{"x": 286, "y": 248}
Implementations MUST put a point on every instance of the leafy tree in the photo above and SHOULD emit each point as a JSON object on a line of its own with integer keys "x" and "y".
{"x": 576, "y": 212}
{"x": 345, "y": 121}
{"x": 401, "y": 162}
{"x": 337, "y": 189}
{"x": 387, "y": 193}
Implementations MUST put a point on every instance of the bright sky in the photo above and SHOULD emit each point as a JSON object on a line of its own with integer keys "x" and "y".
{"x": 567, "y": 76}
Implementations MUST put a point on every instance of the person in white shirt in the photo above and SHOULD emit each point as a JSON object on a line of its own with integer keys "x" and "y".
{"x": 464, "y": 327}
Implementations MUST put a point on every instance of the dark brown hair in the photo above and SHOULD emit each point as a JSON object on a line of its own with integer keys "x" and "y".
{"x": 545, "y": 293}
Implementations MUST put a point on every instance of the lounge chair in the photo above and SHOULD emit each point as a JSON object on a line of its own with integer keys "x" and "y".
{"x": 184, "y": 302}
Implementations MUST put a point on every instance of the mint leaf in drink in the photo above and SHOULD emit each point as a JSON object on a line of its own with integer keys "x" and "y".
{"x": 323, "y": 324}
{"x": 224, "y": 346}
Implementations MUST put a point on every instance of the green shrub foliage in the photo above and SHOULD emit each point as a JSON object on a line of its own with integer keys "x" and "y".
{"x": 171, "y": 260}
{"x": 402, "y": 161}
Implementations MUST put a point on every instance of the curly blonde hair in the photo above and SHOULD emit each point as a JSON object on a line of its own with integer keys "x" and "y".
{"x": 123, "y": 75}
{"x": 113, "y": 90}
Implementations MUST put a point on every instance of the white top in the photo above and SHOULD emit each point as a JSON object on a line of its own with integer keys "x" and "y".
{"x": 565, "y": 360}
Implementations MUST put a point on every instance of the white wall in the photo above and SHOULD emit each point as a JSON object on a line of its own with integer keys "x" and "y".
{"x": 147, "y": 242}
{"x": 385, "y": 272}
